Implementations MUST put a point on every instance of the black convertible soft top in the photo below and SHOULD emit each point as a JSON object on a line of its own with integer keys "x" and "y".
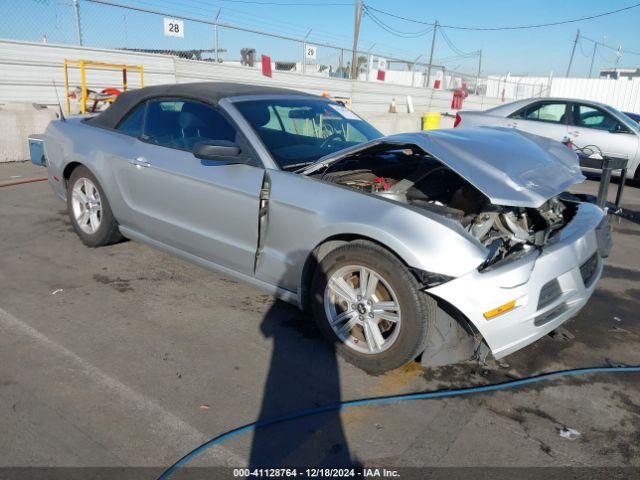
{"x": 208, "y": 92}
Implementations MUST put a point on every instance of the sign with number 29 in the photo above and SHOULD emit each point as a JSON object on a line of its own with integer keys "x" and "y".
{"x": 310, "y": 51}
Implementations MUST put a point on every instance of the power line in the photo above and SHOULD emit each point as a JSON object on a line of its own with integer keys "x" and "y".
{"x": 601, "y": 55}
{"x": 602, "y": 44}
{"x": 453, "y": 47}
{"x": 238, "y": 16}
{"x": 454, "y": 57}
{"x": 518, "y": 27}
{"x": 585, "y": 54}
{"x": 394, "y": 31}
{"x": 183, "y": 9}
{"x": 205, "y": 11}
{"x": 289, "y": 4}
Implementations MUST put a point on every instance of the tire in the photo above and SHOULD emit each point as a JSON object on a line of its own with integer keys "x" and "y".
{"x": 395, "y": 286}
{"x": 90, "y": 214}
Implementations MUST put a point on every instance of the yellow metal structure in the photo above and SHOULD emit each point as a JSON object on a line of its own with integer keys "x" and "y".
{"x": 430, "y": 120}
{"x": 83, "y": 65}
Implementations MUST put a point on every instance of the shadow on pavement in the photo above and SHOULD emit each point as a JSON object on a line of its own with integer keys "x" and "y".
{"x": 303, "y": 374}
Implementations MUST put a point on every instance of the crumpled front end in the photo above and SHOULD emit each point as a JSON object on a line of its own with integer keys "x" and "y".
{"x": 514, "y": 302}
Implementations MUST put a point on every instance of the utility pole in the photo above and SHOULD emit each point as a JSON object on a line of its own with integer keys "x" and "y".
{"x": 573, "y": 51}
{"x": 595, "y": 49}
{"x": 433, "y": 47}
{"x": 479, "y": 69}
{"x": 76, "y": 11}
{"x": 356, "y": 33}
{"x": 215, "y": 33}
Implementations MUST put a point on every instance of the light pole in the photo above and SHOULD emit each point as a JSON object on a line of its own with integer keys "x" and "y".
{"x": 479, "y": 69}
{"x": 304, "y": 52}
{"x": 215, "y": 33}
{"x": 369, "y": 60}
{"x": 76, "y": 11}
{"x": 413, "y": 66}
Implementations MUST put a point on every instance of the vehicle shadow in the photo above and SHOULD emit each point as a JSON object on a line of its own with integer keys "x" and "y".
{"x": 303, "y": 374}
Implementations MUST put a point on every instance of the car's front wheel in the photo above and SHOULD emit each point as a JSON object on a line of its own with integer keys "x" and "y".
{"x": 370, "y": 306}
{"x": 89, "y": 210}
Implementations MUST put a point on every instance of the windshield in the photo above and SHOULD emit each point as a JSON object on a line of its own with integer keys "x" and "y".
{"x": 298, "y": 132}
{"x": 628, "y": 121}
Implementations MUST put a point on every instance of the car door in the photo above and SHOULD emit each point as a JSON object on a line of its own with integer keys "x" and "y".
{"x": 594, "y": 126}
{"x": 207, "y": 208}
{"x": 547, "y": 118}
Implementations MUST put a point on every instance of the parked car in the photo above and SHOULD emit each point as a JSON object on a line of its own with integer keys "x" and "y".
{"x": 436, "y": 243}
{"x": 585, "y": 123}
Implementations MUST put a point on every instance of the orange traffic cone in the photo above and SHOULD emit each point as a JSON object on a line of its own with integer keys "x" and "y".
{"x": 393, "y": 108}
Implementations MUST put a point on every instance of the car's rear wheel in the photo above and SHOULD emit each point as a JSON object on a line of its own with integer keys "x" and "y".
{"x": 89, "y": 210}
{"x": 370, "y": 306}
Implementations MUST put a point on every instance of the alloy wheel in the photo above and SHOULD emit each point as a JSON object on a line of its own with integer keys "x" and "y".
{"x": 86, "y": 205}
{"x": 362, "y": 309}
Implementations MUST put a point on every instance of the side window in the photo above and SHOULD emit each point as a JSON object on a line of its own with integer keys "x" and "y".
{"x": 591, "y": 117}
{"x": 132, "y": 123}
{"x": 182, "y": 123}
{"x": 543, "y": 112}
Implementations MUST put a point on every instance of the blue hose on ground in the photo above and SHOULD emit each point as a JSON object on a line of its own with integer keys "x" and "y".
{"x": 391, "y": 399}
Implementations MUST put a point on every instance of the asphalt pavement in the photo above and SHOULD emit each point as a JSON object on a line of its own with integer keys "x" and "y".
{"x": 126, "y": 356}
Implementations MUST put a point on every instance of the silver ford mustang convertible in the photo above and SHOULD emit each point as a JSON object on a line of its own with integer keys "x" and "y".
{"x": 446, "y": 245}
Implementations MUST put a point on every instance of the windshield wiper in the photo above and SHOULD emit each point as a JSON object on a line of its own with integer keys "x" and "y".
{"x": 296, "y": 165}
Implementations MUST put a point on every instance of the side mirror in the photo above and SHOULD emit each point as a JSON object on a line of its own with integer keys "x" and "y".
{"x": 220, "y": 150}
{"x": 619, "y": 128}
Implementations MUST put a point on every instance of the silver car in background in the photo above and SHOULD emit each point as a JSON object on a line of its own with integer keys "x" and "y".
{"x": 584, "y": 122}
{"x": 436, "y": 244}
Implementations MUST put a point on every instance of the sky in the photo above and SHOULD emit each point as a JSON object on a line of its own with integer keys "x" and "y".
{"x": 533, "y": 52}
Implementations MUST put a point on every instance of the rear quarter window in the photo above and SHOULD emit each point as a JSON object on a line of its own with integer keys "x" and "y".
{"x": 132, "y": 124}
{"x": 543, "y": 112}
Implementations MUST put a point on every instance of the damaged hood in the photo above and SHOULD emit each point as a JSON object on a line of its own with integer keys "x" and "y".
{"x": 510, "y": 167}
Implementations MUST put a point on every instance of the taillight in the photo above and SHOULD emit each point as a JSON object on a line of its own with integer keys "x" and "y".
{"x": 457, "y": 120}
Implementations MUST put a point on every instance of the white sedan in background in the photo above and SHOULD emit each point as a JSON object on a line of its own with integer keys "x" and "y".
{"x": 585, "y": 123}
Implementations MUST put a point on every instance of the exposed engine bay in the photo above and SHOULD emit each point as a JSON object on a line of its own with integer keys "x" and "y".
{"x": 411, "y": 177}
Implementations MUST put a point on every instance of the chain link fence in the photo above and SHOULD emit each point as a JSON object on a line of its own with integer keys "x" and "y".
{"x": 140, "y": 27}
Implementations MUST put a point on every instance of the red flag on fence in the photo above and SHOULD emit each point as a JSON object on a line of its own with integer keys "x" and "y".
{"x": 266, "y": 66}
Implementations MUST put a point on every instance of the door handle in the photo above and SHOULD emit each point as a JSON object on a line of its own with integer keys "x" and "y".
{"x": 575, "y": 133}
{"x": 512, "y": 124}
{"x": 140, "y": 162}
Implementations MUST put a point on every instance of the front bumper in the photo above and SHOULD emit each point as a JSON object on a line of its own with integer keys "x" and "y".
{"x": 549, "y": 286}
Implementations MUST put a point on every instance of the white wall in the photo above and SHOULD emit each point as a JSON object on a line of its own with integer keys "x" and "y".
{"x": 448, "y": 81}
{"x": 623, "y": 94}
{"x": 515, "y": 88}
{"x": 29, "y": 71}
